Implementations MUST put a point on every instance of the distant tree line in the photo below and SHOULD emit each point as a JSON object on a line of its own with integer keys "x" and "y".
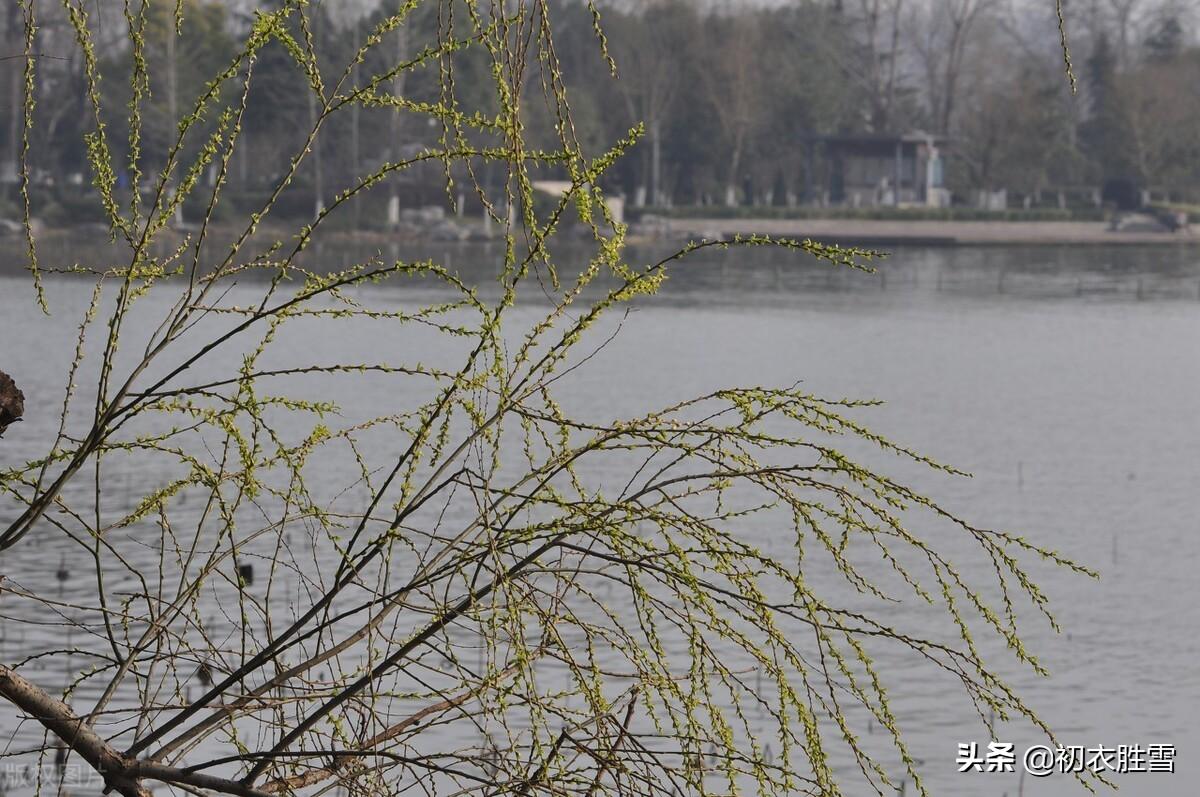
{"x": 725, "y": 92}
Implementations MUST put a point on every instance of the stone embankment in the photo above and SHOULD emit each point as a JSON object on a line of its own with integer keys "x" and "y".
{"x": 1133, "y": 230}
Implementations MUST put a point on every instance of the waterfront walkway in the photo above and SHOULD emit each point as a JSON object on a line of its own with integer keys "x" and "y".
{"x": 924, "y": 233}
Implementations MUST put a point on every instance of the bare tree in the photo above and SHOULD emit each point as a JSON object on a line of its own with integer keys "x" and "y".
{"x": 396, "y": 122}
{"x": 649, "y": 47}
{"x": 942, "y": 42}
{"x": 730, "y": 79}
{"x": 875, "y": 63}
{"x": 13, "y": 28}
{"x": 1124, "y": 15}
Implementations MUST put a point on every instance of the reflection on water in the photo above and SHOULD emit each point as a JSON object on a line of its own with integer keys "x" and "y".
{"x": 1093, "y": 272}
{"x": 1066, "y": 380}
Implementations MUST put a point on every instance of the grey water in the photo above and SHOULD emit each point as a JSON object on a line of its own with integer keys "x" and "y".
{"x": 1066, "y": 381}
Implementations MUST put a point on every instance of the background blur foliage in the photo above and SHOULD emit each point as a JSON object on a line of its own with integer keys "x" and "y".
{"x": 726, "y": 91}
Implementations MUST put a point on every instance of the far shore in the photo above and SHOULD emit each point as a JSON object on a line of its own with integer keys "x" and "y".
{"x": 869, "y": 232}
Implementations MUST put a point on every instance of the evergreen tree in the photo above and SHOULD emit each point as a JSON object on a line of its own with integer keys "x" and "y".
{"x": 1106, "y": 135}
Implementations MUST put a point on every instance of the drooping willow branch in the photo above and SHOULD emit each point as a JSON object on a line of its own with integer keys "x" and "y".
{"x": 458, "y": 594}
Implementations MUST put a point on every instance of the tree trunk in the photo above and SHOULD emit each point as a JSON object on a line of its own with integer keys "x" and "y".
{"x": 173, "y": 101}
{"x": 655, "y": 165}
{"x": 735, "y": 162}
{"x": 394, "y": 133}
{"x": 16, "y": 96}
{"x": 318, "y": 176}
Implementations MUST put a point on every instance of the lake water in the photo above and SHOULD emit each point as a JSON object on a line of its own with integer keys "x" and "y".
{"x": 1066, "y": 381}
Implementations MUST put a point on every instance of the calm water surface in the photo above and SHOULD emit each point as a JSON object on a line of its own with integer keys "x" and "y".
{"x": 1067, "y": 383}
